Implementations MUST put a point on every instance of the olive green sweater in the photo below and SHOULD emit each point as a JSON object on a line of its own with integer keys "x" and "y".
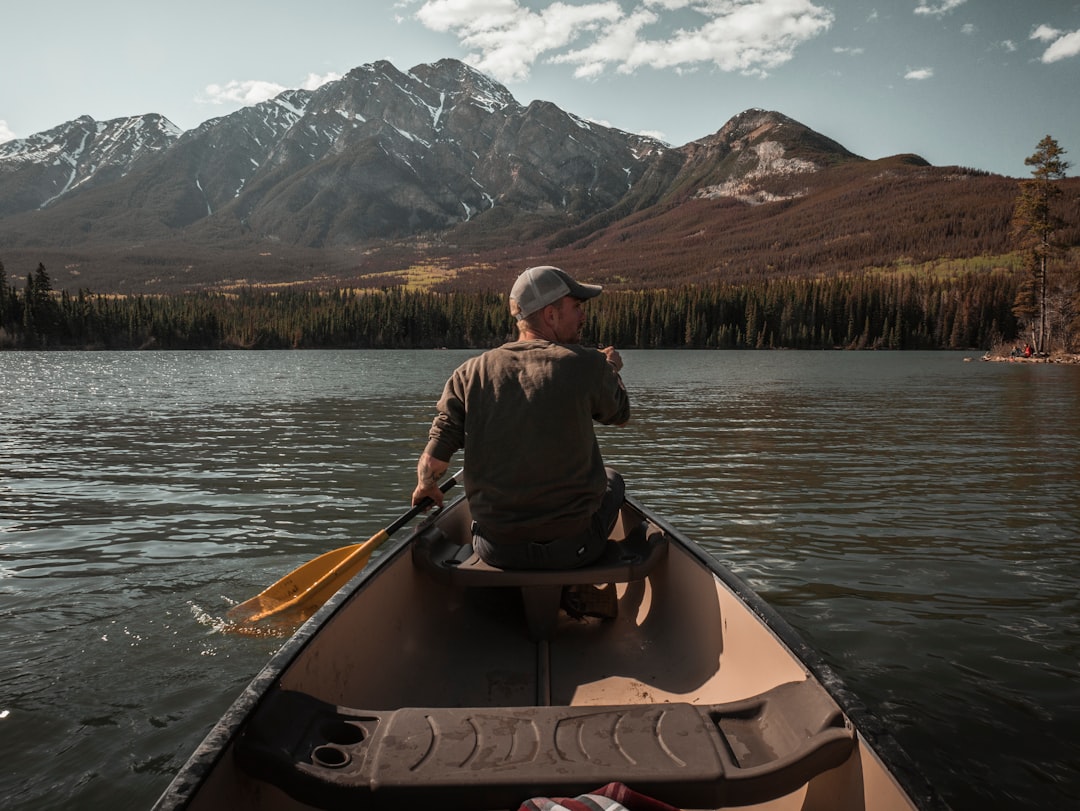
{"x": 524, "y": 415}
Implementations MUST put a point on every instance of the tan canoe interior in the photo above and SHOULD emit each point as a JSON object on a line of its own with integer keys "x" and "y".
{"x": 681, "y": 636}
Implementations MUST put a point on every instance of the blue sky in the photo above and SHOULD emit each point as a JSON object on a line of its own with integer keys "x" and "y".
{"x": 973, "y": 83}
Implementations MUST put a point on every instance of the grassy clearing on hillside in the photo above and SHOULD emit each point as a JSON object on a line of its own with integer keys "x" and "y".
{"x": 943, "y": 269}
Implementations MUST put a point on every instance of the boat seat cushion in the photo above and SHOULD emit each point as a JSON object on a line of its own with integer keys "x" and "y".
{"x": 690, "y": 756}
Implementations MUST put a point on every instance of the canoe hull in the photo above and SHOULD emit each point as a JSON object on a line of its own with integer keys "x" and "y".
{"x": 690, "y": 634}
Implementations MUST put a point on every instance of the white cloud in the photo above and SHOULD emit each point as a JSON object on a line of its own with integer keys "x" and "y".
{"x": 940, "y": 9}
{"x": 849, "y": 51}
{"x": 251, "y": 91}
{"x": 656, "y": 135}
{"x": 254, "y": 91}
{"x": 621, "y": 43}
{"x": 5, "y": 132}
{"x": 1009, "y": 45}
{"x": 314, "y": 81}
{"x": 507, "y": 38}
{"x": 1065, "y": 47}
{"x": 1045, "y": 33}
{"x": 919, "y": 74}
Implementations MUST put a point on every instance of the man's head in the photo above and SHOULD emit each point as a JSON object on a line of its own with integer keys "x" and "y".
{"x": 547, "y": 303}
{"x": 538, "y": 287}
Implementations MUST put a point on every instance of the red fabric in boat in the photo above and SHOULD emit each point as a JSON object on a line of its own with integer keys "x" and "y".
{"x": 612, "y": 797}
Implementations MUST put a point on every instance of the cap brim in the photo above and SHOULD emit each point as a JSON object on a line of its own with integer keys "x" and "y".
{"x": 583, "y": 291}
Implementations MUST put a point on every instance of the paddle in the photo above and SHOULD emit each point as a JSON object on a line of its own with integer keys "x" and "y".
{"x": 299, "y": 594}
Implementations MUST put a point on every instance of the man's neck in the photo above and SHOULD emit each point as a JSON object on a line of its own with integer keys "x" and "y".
{"x": 530, "y": 334}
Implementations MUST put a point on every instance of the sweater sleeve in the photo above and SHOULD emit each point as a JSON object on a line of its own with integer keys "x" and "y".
{"x": 447, "y": 433}
{"x": 613, "y": 403}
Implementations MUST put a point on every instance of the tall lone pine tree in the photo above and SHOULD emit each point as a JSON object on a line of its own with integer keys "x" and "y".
{"x": 1035, "y": 224}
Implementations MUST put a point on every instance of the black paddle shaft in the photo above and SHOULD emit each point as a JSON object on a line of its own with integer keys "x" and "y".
{"x": 423, "y": 505}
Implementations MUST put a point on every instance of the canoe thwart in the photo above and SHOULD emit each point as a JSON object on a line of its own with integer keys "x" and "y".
{"x": 623, "y": 561}
{"x": 696, "y": 756}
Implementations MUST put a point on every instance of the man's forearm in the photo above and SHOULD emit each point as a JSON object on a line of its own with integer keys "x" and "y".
{"x": 429, "y": 470}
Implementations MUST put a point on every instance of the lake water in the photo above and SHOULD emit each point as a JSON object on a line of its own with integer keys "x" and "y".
{"x": 915, "y": 516}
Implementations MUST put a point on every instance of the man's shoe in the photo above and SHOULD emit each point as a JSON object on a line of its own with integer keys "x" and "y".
{"x": 591, "y": 601}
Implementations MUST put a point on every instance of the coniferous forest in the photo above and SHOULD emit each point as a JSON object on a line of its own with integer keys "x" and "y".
{"x": 969, "y": 310}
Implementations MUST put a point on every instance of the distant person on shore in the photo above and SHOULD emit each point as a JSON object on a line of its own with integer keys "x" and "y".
{"x": 1027, "y": 350}
{"x": 540, "y": 495}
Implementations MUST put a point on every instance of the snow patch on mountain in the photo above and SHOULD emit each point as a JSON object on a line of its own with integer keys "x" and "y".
{"x": 49, "y": 165}
{"x": 770, "y": 163}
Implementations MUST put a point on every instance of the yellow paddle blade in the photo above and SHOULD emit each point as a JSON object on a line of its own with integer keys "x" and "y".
{"x": 300, "y": 593}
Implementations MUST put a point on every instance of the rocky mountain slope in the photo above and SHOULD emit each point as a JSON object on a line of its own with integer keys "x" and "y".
{"x": 438, "y": 166}
{"x": 38, "y": 171}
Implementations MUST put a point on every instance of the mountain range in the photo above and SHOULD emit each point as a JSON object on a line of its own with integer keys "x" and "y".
{"x": 437, "y": 175}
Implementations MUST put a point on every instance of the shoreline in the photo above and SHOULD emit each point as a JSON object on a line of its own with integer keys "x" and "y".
{"x": 1057, "y": 357}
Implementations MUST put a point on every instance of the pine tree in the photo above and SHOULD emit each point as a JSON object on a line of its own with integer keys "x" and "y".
{"x": 10, "y": 316}
{"x": 1035, "y": 223}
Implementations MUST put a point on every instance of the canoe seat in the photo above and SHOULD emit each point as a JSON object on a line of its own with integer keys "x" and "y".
{"x": 690, "y": 756}
{"x": 623, "y": 561}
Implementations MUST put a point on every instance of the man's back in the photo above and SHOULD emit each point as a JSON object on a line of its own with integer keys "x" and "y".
{"x": 537, "y": 486}
{"x": 524, "y": 414}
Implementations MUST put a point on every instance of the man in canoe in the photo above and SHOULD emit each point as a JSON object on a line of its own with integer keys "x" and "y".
{"x": 538, "y": 490}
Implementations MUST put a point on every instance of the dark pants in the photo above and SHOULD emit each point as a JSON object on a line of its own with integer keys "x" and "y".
{"x": 561, "y": 553}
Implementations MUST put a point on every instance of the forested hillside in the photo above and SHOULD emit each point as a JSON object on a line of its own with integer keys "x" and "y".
{"x": 864, "y": 311}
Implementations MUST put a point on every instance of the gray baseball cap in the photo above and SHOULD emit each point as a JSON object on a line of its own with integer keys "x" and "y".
{"x": 538, "y": 287}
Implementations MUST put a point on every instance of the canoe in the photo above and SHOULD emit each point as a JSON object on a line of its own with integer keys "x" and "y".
{"x": 435, "y": 681}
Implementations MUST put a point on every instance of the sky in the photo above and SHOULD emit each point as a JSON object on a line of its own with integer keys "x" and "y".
{"x": 972, "y": 83}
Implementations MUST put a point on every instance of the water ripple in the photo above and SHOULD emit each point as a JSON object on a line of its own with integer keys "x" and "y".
{"x": 914, "y": 516}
